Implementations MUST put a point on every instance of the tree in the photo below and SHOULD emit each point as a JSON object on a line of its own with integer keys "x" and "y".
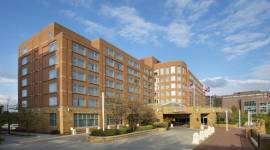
{"x": 147, "y": 115}
{"x": 28, "y": 119}
{"x": 133, "y": 108}
{"x": 117, "y": 110}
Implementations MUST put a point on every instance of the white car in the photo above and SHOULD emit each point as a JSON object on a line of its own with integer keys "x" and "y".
{"x": 12, "y": 126}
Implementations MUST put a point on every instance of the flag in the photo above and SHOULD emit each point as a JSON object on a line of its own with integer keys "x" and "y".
{"x": 207, "y": 89}
{"x": 191, "y": 84}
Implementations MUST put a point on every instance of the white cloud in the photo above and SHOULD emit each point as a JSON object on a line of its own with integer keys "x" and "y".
{"x": 262, "y": 71}
{"x": 179, "y": 34}
{"x": 78, "y": 3}
{"x": 7, "y": 80}
{"x": 189, "y": 10}
{"x": 11, "y": 100}
{"x": 223, "y": 85}
{"x": 91, "y": 27}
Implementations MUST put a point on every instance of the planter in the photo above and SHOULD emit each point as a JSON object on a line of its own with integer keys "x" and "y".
{"x": 99, "y": 139}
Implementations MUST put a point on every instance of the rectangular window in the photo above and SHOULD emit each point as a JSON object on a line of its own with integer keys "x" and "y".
{"x": 93, "y": 67}
{"x": 109, "y": 72}
{"x": 52, "y": 87}
{"x": 173, "y": 93}
{"x": 110, "y": 52}
{"x": 109, "y": 94}
{"x": 172, "y": 78}
{"x": 24, "y": 82}
{"x": 109, "y": 83}
{"x": 118, "y": 65}
{"x": 78, "y": 75}
{"x": 78, "y": 101}
{"x": 173, "y": 85}
{"x": 78, "y": 48}
{"x": 24, "y": 103}
{"x": 24, "y": 71}
{"x": 132, "y": 89}
{"x": 78, "y": 62}
{"x": 93, "y": 91}
{"x": 172, "y": 69}
{"x": 52, "y": 119}
{"x": 24, "y": 51}
{"x": 24, "y": 60}
{"x": 52, "y": 60}
{"x": 92, "y": 103}
{"x": 85, "y": 120}
{"x": 52, "y": 74}
{"x": 119, "y": 86}
{"x": 161, "y": 71}
{"x": 93, "y": 54}
{"x": 52, "y": 46}
{"x": 179, "y": 70}
{"x": 93, "y": 79}
{"x": 52, "y": 101}
{"x": 77, "y": 88}
{"x": 109, "y": 62}
{"x": 167, "y": 70}
{"x": 118, "y": 75}
{"x": 119, "y": 56}
{"x": 24, "y": 93}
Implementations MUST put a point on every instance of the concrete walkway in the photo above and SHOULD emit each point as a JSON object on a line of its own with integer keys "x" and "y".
{"x": 234, "y": 139}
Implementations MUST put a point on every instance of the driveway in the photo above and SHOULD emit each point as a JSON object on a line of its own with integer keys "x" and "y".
{"x": 178, "y": 138}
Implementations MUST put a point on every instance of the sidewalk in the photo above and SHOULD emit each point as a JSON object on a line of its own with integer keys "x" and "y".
{"x": 234, "y": 139}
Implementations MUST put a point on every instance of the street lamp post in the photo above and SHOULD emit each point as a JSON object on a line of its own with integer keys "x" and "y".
{"x": 226, "y": 120}
{"x": 103, "y": 114}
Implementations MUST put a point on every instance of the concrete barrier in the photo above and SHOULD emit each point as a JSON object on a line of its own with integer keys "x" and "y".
{"x": 201, "y": 134}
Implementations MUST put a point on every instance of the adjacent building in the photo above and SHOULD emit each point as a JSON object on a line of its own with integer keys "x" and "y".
{"x": 62, "y": 75}
{"x": 256, "y": 102}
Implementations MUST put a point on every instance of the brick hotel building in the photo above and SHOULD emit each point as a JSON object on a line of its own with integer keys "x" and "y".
{"x": 62, "y": 74}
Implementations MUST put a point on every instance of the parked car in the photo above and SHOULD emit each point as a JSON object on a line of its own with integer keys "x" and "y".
{"x": 12, "y": 126}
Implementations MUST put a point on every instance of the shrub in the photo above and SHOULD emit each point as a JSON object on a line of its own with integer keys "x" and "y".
{"x": 142, "y": 128}
{"x": 108, "y": 132}
{"x": 55, "y": 132}
{"x": 160, "y": 124}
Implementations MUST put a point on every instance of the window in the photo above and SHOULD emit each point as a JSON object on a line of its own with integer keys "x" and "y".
{"x": 52, "y": 87}
{"x": 110, "y": 52}
{"x": 132, "y": 89}
{"x": 118, "y": 75}
{"x": 172, "y": 69}
{"x": 167, "y": 70}
{"x": 78, "y": 48}
{"x": 24, "y": 103}
{"x": 52, "y": 46}
{"x": 173, "y": 85}
{"x": 133, "y": 72}
{"x": 85, "y": 120}
{"x": 93, "y": 54}
{"x": 52, "y": 101}
{"x": 24, "y": 93}
{"x": 78, "y": 75}
{"x": 92, "y": 103}
{"x": 24, "y": 51}
{"x": 109, "y": 94}
{"x": 109, "y": 83}
{"x": 93, "y": 67}
{"x": 109, "y": 62}
{"x": 161, "y": 71}
{"x": 179, "y": 70}
{"x": 118, "y": 65}
{"x": 24, "y": 60}
{"x": 119, "y": 56}
{"x": 109, "y": 72}
{"x": 78, "y": 101}
{"x": 172, "y": 78}
{"x": 172, "y": 93}
{"x": 119, "y": 86}
{"x": 78, "y": 62}
{"x": 24, "y": 71}
{"x": 93, "y": 79}
{"x": 52, "y": 60}
{"x": 77, "y": 88}
{"x": 93, "y": 91}
{"x": 52, "y": 74}
{"x": 52, "y": 119}
{"x": 24, "y": 82}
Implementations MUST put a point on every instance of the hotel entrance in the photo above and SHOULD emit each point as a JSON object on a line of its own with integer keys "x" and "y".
{"x": 204, "y": 119}
{"x": 180, "y": 120}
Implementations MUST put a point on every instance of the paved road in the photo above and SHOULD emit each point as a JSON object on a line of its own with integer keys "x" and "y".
{"x": 178, "y": 139}
{"x": 234, "y": 139}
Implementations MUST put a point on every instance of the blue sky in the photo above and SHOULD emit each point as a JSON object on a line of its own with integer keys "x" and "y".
{"x": 225, "y": 43}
